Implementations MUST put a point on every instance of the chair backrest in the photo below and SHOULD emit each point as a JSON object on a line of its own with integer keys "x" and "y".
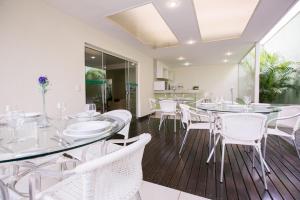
{"x": 152, "y": 104}
{"x": 185, "y": 113}
{"x": 124, "y": 165}
{"x": 291, "y": 112}
{"x": 126, "y": 116}
{"x": 243, "y": 126}
{"x": 167, "y": 105}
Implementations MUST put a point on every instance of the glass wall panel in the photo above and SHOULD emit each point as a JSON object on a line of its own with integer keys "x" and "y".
{"x": 95, "y": 78}
{"x": 246, "y": 76}
{"x": 280, "y": 66}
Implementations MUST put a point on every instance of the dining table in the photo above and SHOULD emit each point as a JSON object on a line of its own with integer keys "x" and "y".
{"x": 215, "y": 109}
{"x": 34, "y": 142}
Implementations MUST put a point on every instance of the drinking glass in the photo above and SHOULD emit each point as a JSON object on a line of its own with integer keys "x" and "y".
{"x": 15, "y": 120}
{"x": 90, "y": 109}
{"x": 61, "y": 119}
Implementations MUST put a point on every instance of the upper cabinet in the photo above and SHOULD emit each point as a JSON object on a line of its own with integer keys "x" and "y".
{"x": 161, "y": 70}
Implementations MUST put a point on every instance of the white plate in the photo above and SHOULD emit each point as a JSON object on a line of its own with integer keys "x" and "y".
{"x": 88, "y": 127}
{"x": 84, "y": 136}
{"x": 32, "y": 114}
{"x": 86, "y": 115}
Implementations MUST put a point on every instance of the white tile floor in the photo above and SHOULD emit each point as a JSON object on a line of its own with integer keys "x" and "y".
{"x": 151, "y": 191}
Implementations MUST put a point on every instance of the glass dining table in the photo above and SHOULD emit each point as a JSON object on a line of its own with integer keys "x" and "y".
{"x": 34, "y": 142}
{"x": 214, "y": 110}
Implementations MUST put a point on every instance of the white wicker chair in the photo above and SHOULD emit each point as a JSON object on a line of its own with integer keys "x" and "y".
{"x": 126, "y": 116}
{"x": 187, "y": 119}
{"x": 288, "y": 117}
{"x": 167, "y": 108}
{"x": 243, "y": 129}
{"x": 115, "y": 176}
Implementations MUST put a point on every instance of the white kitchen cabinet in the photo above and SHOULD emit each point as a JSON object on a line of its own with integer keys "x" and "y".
{"x": 161, "y": 70}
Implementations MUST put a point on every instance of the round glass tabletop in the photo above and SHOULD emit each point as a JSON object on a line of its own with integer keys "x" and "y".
{"x": 237, "y": 108}
{"x": 34, "y": 142}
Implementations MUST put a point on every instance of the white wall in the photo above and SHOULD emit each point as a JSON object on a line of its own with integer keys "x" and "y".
{"x": 286, "y": 42}
{"x": 37, "y": 39}
{"x": 212, "y": 79}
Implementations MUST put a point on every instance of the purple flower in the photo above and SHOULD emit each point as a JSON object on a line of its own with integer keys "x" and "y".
{"x": 43, "y": 81}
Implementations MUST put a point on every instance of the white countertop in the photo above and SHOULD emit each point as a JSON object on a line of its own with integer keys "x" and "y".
{"x": 176, "y": 91}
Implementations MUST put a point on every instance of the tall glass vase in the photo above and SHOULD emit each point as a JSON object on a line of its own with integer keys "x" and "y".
{"x": 44, "y": 122}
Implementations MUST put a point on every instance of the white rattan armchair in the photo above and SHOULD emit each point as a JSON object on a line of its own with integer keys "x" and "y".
{"x": 167, "y": 108}
{"x": 124, "y": 115}
{"x": 115, "y": 176}
{"x": 288, "y": 117}
{"x": 243, "y": 129}
{"x": 187, "y": 118}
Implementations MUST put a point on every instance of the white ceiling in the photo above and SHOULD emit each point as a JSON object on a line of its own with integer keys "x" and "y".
{"x": 182, "y": 21}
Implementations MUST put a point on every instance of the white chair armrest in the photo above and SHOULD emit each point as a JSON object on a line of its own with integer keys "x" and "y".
{"x": 194, "y": 112}
{"x": 120, "y": 141}
{"x": 281, "y": 118}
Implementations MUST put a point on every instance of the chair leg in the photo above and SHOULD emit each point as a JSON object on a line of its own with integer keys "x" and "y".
{"x": 265, "y": 146}
{"x": 294, "y": 141}
{"x": 222, "y": 162}
{"x": 262, "y": 167}
{"x": 184, "y": 141}
{"x": 175, "y": 123}
{"x": 215, "y": 148}
{"x": 3, "y": 191}
{"x": 209, "y": 142}
{"x": 161, "y": 121}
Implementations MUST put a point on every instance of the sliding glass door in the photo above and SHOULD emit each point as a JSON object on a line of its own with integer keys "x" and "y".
{"x": 131, "y": 86}
{"x": 110, "y": 81}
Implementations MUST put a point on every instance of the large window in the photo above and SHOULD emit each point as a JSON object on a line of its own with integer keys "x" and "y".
{"x": 246, "y": 76}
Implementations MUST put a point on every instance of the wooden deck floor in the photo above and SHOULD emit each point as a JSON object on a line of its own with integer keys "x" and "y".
{"x": 190, "y": 173}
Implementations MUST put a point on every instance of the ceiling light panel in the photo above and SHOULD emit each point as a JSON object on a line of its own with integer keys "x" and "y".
{"x": 221, "y": 20}
{"x": 146, "y": 24}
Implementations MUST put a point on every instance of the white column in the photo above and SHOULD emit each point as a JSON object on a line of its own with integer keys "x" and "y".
{"x": 257, "y": 70}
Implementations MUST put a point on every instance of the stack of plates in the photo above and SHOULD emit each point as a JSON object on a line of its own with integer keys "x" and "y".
{"x": 88, "y": 129}
{"x": 86, "y": 115}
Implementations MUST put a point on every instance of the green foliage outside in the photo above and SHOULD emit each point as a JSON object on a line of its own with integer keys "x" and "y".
{"x": 278, "y": 77}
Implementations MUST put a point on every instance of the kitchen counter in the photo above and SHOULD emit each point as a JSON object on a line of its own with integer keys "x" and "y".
{"x": 177, "y": 91}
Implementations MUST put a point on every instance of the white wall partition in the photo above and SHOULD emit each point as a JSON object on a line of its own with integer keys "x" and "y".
{"x": 214, "y": 79}
{"x": 37, "y": 39}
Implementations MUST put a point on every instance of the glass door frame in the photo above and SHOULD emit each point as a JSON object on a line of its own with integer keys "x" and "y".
{"x": 127, "y": 60}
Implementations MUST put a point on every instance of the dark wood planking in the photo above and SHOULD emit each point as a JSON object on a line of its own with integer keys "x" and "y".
{"x": 190, "y": 173}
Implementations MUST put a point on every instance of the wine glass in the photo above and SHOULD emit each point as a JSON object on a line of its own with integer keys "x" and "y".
{"x": 90, "y": 109}
{"x": 61, "y": 120}
{"x": 15, "y": 120}
{"x": 247, "y": 100}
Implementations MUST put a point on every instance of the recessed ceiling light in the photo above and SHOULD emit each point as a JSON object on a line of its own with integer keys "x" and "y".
{"x": 180, "y": 58}
{"x": 228, "y": 53}
{"x": 93, "y": 57}
{"x": 172, "y": 3}
{"x": 221, "y": 20}
{"x": 225, "y": 61}
{"x": 186, "y": 64}
{"x": 190, "y": 42}
{"x": 146, "y": 24}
